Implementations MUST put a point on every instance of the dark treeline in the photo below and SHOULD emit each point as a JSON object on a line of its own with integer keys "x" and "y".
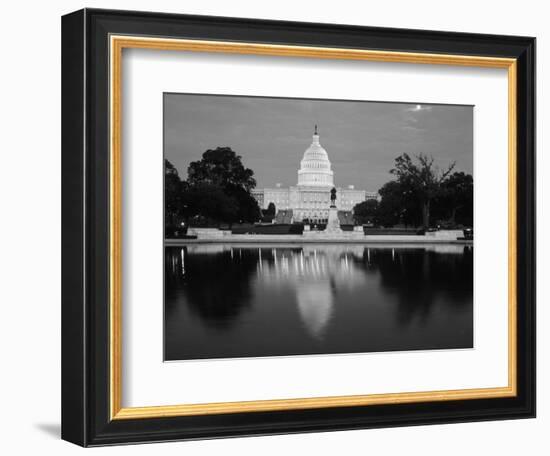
{"x": 217, "y": 190}
{"x": 421, "y": 195}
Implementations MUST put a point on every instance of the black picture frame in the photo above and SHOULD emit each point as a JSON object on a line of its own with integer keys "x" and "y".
{"x": 85, "y": 224}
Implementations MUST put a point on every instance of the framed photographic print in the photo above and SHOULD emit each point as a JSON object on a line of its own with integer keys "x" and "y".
{"x": 279, "y": 227}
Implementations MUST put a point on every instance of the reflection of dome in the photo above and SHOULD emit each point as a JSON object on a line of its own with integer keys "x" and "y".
{"x": 315, "y": 167}
{"x": 315, "y": 302}
{"x": 337, "y": 263}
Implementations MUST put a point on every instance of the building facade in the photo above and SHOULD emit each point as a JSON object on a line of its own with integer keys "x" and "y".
{"x": 309, "y": 200}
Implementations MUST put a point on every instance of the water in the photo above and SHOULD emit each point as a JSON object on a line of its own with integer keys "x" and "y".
{"x": 227, "y": 301}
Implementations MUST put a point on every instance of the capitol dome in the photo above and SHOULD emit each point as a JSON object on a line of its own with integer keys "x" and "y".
{"x": 315, "y": 170}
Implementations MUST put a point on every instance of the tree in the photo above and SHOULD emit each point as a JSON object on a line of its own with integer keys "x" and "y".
{"x": 247, "y": 206}
{"x": 269, "y": 214}
{"x": 457, "y": 198}
{"x": 398, "y": 204}
{"x": 172, "y": 194}
{"x": 222, "y": 167}
{"x": 366, "y": 211}
{"x": 271, "y": 209}
{"x": 422, "y": 179}
{"x": 218, "y": 188}
{"x": 210, "y": 202}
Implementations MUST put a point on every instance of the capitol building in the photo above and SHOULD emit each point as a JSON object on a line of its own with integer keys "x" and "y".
{"x": 309, "y": 201}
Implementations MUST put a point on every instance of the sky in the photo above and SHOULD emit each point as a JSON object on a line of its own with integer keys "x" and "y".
{"x": 362, "y": 138}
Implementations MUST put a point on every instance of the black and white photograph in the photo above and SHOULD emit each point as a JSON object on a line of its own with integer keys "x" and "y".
{"x": 316, "y": 226}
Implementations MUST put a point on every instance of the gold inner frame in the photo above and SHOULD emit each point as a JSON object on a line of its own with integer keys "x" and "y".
{"x": 117, "y": 44}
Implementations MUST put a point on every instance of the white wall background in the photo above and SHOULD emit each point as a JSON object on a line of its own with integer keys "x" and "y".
{"x": 30, "y": 192}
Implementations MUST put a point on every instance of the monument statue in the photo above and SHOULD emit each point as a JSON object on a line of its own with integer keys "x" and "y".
{"x": 333, "y": 223}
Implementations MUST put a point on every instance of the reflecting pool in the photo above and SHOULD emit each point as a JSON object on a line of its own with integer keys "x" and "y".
{"x": 228, "y": 300}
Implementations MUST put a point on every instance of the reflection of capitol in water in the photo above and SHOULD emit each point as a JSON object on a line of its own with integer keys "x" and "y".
{"x": 315, "y": 273}
{"x": 315, "y": 303}
{"x": 334, "y": 263}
